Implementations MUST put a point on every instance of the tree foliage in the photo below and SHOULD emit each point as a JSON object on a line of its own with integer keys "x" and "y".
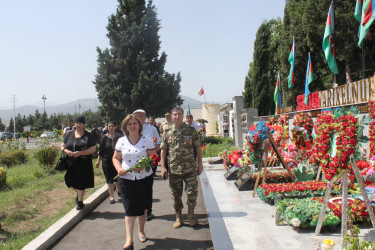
{"x": 306, "y": 20}
{"x": 261, "y": 78}
{"x": 131, "y": 72}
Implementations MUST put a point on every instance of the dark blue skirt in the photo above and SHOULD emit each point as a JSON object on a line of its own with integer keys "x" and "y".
{"x": 136, "y": 195}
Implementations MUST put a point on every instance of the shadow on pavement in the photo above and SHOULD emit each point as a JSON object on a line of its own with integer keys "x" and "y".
{"x": 173, "y": 243}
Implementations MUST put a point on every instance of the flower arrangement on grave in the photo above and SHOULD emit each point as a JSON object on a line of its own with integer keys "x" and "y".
{"x": 255, "y": 138}
{"x": 272, "y": 120}
{"x": 280, "y": 136}
{"x": 304, "y": 121}
{"x": 290, "y": 153}
{"x": 273, "y": 176}
{"x": 283, "y": 120}
{"x": 314, "y": 102}
{"x": 371, "y": 130}
{"x": 226, "y": 162}
{"x": 301, "y": 213}
{"x": 294, "y": 189}
{"x": 356, "y": 207}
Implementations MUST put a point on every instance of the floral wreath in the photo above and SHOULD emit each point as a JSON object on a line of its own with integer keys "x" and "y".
{"x": 371, "y": 130}
{"x": 255, "y": 137}
{"x": 303, "y": 120}
{"x": 283, "y": 120}
{"x": 348, "y": 136}
{"x": 272, "y": 121}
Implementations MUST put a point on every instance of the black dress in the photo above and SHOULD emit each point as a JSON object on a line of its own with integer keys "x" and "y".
{"x": 80, "y": 173}
{"x": 106, "y": 150}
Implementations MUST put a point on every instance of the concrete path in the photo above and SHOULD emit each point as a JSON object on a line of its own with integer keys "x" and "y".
{"x": 104, "y": 227}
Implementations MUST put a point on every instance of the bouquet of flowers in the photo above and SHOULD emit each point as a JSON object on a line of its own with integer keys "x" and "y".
{"x": 145, "y": 163}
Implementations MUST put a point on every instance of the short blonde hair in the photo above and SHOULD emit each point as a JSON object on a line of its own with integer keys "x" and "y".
{"x": 125, "y": 122}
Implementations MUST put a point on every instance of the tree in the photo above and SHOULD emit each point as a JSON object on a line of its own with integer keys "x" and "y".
{"x": 131, "y": 73}
{"x": 2, "y": 126}
{"x": 261, "y": 79}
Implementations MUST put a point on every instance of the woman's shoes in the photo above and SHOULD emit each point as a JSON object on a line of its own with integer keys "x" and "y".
{"x": 111, "y": 201}
{"x": 130, "y": 247}
{"x": 142, "y": 239}
{"x": 80, "y": 205}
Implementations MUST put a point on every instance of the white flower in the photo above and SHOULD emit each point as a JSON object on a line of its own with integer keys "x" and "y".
{"x": 295, "y": 222}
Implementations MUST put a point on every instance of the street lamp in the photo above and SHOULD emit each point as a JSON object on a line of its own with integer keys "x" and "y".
{"x": 44, "y": 102}
{"x": 44, "y": 98}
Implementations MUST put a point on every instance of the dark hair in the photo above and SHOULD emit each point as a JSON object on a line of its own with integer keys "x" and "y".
{"x": 189, "y": 116}
{"x": 125, "y": 122}
{"x": 177, "y": 108}
{"x": 81, "y": 119}
{"x": 114, "y": 124}
{"x": 152, "y": 117}
{"x": 70, "y": 120}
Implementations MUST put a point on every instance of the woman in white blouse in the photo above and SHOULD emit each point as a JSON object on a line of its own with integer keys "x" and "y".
{"x": 135, "y": 186}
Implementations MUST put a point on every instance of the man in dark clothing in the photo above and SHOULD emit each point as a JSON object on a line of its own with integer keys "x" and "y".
{"x": 95, "y": 132}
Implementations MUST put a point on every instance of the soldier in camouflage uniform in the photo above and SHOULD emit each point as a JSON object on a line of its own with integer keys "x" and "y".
{"x": 180, "y": 140}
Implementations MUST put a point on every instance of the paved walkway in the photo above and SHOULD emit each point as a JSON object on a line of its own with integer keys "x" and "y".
{"x": 104, "y": 227}
{"x": 228, "y": 219}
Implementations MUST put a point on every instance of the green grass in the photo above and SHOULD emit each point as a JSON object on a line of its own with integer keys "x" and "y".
{"x": 213, "y": 150}
{"x": 33, "y": 200}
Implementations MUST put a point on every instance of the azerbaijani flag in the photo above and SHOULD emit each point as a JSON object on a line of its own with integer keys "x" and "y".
{"x": 358, "y": 10}
{"x": 308, "y": 80}
{"x": 277, "y": 95}
{"x": 328, "y": 41}
{"x": 188, "y": 112}
{"x": 201, "y": 92}
{"x": 291, "y": 61}
{"x": 368, "y": 17}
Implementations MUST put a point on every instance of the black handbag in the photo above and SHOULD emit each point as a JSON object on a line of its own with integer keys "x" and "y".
{"x": 62, "y": 163}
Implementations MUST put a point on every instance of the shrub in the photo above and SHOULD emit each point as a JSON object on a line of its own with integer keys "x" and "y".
{"x": 3, "y": 177}
{"x": 12, "y": 158}
{"x": 47, "y": 156}
{"x": 217, "y": 140}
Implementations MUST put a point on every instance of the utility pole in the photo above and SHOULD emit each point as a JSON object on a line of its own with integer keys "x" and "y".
{"x": 79, "y": 109}
{"x": 14, "y": 114}
{"x": 44, "y": 98}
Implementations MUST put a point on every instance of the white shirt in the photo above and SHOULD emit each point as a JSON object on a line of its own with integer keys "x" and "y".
{"x": 151, "y": 132}
{"x": 132, "y": 153}
{"x": 194, "y": 125}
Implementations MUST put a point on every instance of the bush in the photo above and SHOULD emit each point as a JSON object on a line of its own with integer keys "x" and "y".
{"x": 217, "y": 140}
{"x": 12, "y": 158}
{"x": 3, "y": 177}
{"x": 47, "y": 156}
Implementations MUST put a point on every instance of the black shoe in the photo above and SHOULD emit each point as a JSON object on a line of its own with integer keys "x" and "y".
{"x": 150, "y": 216}
{"x": 111, "y": 201}
{"x": 131, "y": 247}
{"x": 77, "y": 199}
{"x": 80, "y": 205}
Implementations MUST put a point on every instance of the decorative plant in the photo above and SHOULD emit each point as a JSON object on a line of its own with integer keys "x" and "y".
{"x": 3, "y": 177}
{"x": 303, "y": 173}
{"x": 47, "y": 156}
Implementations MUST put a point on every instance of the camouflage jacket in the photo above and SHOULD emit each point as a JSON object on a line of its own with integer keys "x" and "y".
{"x": 180, "y": 144}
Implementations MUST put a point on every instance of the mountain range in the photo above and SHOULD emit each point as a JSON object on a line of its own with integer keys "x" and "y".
{"x": 78, "y": 106}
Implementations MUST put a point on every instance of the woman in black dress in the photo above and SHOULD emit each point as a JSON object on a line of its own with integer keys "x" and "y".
{"x": 106, "y": 149}
{"x": 79, "y": 145}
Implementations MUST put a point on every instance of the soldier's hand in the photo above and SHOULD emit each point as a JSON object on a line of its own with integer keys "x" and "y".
{"x": 164, "y": 173}
{"x": 200, "y": 168}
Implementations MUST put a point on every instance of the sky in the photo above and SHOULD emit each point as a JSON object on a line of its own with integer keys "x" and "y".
{"x": 49, "y": 47}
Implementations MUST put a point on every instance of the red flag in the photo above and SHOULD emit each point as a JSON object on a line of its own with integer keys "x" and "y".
{"x": 201, "y": 92}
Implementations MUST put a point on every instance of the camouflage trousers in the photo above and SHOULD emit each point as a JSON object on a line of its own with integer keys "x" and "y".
{"x": 191, "y": 189}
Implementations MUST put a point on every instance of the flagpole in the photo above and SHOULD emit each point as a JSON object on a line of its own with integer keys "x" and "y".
{"x": 334, "y": 39}
{"x": 363, "y": 59}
